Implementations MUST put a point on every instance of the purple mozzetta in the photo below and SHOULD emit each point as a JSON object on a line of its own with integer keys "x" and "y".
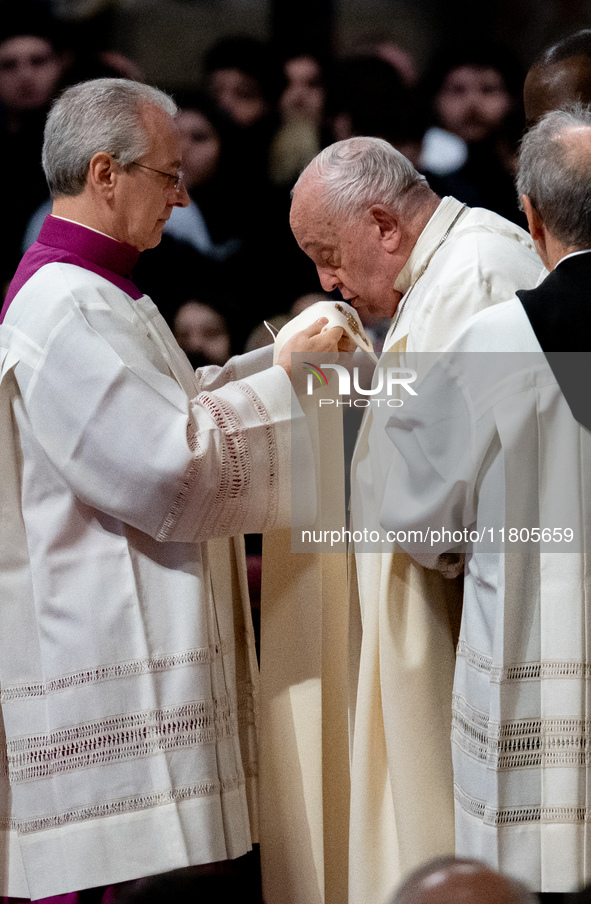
{"x": 70, "y": 243}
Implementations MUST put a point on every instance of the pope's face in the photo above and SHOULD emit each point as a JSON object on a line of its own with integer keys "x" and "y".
{"x": 144, "y": 199}
{"x": 349, "y": 256}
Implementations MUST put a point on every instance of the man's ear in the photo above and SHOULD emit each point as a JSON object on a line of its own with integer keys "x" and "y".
{"x": 388, "y": 225}
{"x": 102, "y": 174}
{"x": 534, "y": 221}
{"x": 536, "y": 227}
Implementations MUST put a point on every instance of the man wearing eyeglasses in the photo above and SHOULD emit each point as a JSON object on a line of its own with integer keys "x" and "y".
{"x": 128, "y": 727}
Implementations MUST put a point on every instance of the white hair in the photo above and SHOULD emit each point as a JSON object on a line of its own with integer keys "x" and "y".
{"x": 103, "y": 114}
{"x": 358, "y": 172}
{"x": 555, "y": 173}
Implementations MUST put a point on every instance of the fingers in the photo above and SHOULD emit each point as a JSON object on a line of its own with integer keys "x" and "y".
{"x": 312, "y": 339}
{"x": 314, "y": 328}
{"x": 333, "y": 335}
{"x": 346, "y": 344}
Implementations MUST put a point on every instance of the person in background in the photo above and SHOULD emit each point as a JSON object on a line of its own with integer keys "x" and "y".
{"x": 560, "y": 76}
{"x": 367, "y": 96}
{"x": 202, "y": 333}
{"x": 388, "y": 49}
{"x": 243, "y": 75}
{"x": 301, "y": 106}
{"x": 475, "y": 95}
{"x": 31, "y": 64}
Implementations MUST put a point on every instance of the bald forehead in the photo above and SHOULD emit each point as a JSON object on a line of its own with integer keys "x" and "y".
{"x": 307, "y": 203}
{"x": 577, "y": 141}
{"x": 552, "y": 86}
{"x": 467, "y": 884}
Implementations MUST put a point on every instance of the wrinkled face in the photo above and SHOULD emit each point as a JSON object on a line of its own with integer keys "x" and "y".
{"x": 29, "y": 70}
{"x": 201, "y": 147}
{"x": 144, "y": 199}
{"x": 304, "y": 93}
{"x": 202, "y": 333}
{"x": 348, "y": 256}
{"x": 239, "y": 94}
{"x": 472, "y": 102}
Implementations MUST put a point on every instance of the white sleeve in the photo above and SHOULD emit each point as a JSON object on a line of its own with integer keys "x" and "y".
{"x": 237, "y": 368}
{"x": 123, "y": 435}
{"x": 429, "y": 491}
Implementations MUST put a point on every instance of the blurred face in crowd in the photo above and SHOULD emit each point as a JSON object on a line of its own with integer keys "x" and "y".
{"x": 352, "y": 257}
{"x": 143, "y": 198}
{"x": 202, "y": 334}
{"x": 239, "y": 94}
{"x": 552, "y": 86}
{"x": 201, "y": 147}
{"x": 29, "y": 70}
{"x": 304, "y": 94}
{"x": 473, "y": 102}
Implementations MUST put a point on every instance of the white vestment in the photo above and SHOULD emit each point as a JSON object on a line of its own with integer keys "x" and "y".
{"x": 127, "y": 668}
{"x": 401, "y": 778}
{"x": 401, "y": 774}
{"x": 490, "y": 445}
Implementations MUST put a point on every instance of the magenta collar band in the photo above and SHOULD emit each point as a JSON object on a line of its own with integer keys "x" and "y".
{"x": 71, "y": 243}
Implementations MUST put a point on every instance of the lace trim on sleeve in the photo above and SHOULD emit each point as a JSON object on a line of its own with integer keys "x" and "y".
{"x": 273, "y": 482}
{"x": 227, "y": 514}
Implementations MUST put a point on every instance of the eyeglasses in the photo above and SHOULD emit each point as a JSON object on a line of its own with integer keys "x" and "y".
{"x": 176, "y": 179}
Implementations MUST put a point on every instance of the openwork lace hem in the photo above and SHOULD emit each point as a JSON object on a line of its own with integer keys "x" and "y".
{"x": 120, "y": 738}
{"x": 189, "y": 479}
{"x": 523, "y": 671}
{"x": 520, "y": 815}
{"x": 520, "y": 743}
{"x": 120, "y": 807}
{"x": 129, "y": 669}
{"x": 272, "y": 453}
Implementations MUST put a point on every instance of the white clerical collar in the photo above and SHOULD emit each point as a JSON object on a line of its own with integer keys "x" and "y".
{"x": 448, "y": 212}
{"x": 427, "y": 242}
{"x": 84, "y": 225}
{"x": 573, "y": 254}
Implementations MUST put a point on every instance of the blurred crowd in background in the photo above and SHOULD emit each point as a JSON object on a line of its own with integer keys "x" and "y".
{"x": 256, "y": 115}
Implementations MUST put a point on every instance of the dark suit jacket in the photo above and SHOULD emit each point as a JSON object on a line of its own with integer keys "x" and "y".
{"x": 559, "y": 310}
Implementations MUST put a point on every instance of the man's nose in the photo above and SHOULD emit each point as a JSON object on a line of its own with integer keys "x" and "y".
{"x": 328, "y": 279}
{"x": 182, "y": 198}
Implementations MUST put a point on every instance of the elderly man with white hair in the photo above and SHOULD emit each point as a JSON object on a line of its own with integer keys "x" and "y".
{"x": 496, "y": 450}
{"x": 128, "y": 727}
{"x": 394, "y": 249}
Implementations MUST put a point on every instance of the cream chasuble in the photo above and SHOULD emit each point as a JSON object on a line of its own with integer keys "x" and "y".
{"x": 401, "y": 628}
{"x": 304, "y": 722}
